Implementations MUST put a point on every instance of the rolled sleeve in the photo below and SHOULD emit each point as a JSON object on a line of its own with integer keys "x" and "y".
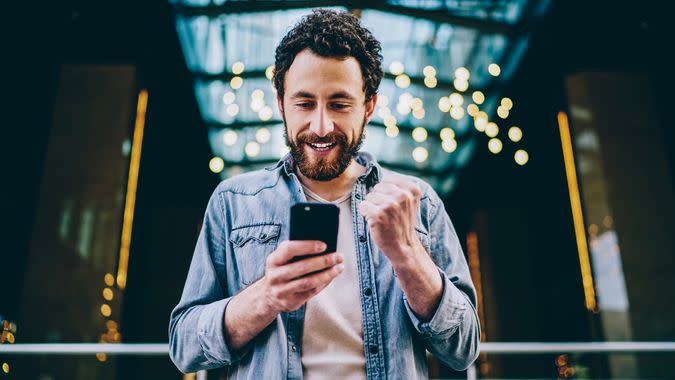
{"x": 211, "y": 332}
{"x": 448, "y": 315}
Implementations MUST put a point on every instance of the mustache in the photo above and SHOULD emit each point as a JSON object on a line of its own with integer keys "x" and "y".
{"x": 331, "y": 138}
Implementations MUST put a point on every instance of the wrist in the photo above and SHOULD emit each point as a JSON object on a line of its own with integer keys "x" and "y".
{"x": 264, "y": 307}
{"x": 410, "y": 258}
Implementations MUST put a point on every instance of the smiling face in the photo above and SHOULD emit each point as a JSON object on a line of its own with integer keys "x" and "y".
{"x": 325, "y": 113}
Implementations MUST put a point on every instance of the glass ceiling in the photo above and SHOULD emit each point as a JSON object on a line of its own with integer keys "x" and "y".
{"x": 445, "y": 63}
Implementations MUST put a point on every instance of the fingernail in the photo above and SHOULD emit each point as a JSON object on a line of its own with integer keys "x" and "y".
{"x": 320, "y": 246}
{"x": 340, "y": 258}
{"x": 340, "y": 267}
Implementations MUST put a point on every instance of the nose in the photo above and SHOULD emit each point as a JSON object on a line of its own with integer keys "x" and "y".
{"x": 321, "y": 123}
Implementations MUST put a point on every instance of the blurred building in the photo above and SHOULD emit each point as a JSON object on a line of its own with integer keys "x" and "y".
{"x": 543, "y": 125}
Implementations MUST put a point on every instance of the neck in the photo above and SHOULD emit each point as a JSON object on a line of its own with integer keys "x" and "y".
{"x": 336, "y": 187}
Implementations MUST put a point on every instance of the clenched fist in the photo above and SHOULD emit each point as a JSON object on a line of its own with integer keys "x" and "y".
{"x": 391, "y": 210}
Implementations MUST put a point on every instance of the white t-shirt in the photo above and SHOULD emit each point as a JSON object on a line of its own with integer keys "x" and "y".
{"x": 332, "y": 341}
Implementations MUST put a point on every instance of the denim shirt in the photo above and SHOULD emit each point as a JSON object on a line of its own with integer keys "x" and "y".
{"x": 247, "y": 217}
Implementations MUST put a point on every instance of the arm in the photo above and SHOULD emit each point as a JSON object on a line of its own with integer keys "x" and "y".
{"x": 209, "y": 330}
{"x": 452, "y": 332}
{"x": 442, "y": 310}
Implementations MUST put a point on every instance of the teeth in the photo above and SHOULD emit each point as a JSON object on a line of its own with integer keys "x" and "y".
{"x": 325, "y": 145}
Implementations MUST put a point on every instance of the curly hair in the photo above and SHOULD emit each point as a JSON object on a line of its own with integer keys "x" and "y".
{"x": 330, "y": 33}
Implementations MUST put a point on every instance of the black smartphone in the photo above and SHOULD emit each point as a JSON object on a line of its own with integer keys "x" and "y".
{"x": 315, "y": 221}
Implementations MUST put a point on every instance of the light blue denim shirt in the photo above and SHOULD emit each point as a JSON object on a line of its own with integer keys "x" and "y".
{"x": 248, "y": 216}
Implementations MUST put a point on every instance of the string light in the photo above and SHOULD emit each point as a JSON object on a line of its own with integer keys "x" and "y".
{"x": 429, "y": 71}
{"x": 456, "y": 99}
{"x": 461, "y": 85}
{"x": 252, "y": 149}
{"x": 521, "y": 157}
{"x": 391, "y": 131}
{"x": 507, "y": 103}
{"x": 230, "y": 137}
{"x": 457, "y": 112}
{"x": 232, "y": 109}
{"x": 402, "y": 81}
{"x": 472, "y": 110}
{"x": 229, "y": 97}
{"x": 430, "y": 82}
{"x": 390, "y": 121}
{"x": 383, "y": 100}
{"x": 462, "y": 73}
{"x": 269, "y": 72}
{"x": 515, "y": 134}
{"x": 444, "y": 104}
{"x": 216, "y": 164}
{"x": 419, "y": 134}
{"x": 263, "y": 135}
{"x": 478, "y": 97}
{"x": 265, "y": 113}
{"x": 396, "y": 68}
{"x": 502, "y": 112}
{"x": 449, "y": 145}
{"x": 419, "y": 113}
{"x": 491, "y": 129}
{"x": 236, "y": 82}
{"x": 420, "y": 154}
{"x": 447, "y": 133}
{"x": 237, "y": 68}
{"x": 494, "y": 69}
{"x": 495, "y": 145}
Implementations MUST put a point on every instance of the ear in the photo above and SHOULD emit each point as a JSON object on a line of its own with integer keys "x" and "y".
{"x": 370, "y": 107}
{"x": 280, "y": 104}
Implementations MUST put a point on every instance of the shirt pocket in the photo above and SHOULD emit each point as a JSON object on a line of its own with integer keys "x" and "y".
{"x": 252, "y": 244}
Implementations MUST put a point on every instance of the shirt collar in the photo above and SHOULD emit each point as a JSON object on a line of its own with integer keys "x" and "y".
{"x": 373, "y": 169}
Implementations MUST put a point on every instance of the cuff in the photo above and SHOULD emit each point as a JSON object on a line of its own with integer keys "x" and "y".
{"x": 449, "y": 313}
{"x": 211, "y": 334}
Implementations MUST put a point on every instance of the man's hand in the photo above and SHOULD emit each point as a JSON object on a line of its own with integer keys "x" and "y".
{"x": 288, "y": 284}
{"x": 391, "y": 210}
{"x": 284, "y": 287}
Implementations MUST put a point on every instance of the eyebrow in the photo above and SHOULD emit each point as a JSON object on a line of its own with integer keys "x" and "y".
{"x": 337, "y": 95}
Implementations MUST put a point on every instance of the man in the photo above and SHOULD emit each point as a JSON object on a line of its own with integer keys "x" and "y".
{"x": 398, "y": 284}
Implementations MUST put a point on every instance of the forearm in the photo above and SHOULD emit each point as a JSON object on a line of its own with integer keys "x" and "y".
{"x": 420, "y": 281}
{"x": 246, "y": 316}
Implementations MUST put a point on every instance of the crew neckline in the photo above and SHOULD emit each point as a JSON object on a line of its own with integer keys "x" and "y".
{"x": 317, "y": 197}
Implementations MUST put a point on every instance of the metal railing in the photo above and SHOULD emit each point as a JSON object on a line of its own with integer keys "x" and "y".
{"x": 155, "y": 349}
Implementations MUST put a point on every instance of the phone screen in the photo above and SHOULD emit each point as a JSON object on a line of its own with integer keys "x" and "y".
{"x": 315, "y": 221}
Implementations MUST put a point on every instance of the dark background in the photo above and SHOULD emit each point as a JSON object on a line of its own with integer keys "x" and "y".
{"x": 175, "y": 182}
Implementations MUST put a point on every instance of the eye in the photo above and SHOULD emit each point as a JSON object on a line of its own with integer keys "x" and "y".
{"x": 304, "y": 104}
{"x": 340, "y": 106}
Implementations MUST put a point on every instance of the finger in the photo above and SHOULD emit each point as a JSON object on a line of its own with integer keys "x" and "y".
{"x": 312, "y": 281}
{"x": 291, "y": 248}
{"x": 368, "y": 209}
{"x": 291, "y": 271}
{"x": 403, "y": 182}
{"x": 380, "y": 199}
{"x": 386, "y": 188}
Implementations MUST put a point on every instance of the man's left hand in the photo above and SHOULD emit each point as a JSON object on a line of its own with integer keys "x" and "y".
{"x": 391, "y": 210}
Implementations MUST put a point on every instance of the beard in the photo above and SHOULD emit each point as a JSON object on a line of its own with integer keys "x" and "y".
{"x": 324, "y": 168}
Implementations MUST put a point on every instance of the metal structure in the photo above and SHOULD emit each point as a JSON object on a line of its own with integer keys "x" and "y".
{"x": 431, "y": 49}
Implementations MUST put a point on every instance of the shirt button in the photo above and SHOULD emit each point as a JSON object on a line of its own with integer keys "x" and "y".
{"x": 368, "y": 292}
{"x": 373, "y": 349}
{"x": 293, "y": 348}
{"x": 362, "y": 238}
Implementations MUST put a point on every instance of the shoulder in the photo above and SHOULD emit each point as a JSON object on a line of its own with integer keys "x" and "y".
{"x": 249, "y": 183}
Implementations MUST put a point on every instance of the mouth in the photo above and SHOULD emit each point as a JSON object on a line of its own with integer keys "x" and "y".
{"x": 322, "y": 147}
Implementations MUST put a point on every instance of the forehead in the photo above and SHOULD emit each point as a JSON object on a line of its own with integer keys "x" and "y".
{"x": 322, "y": 76}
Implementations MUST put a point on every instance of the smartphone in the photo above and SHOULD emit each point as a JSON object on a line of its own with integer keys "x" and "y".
{"x": 315, "y": 221}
